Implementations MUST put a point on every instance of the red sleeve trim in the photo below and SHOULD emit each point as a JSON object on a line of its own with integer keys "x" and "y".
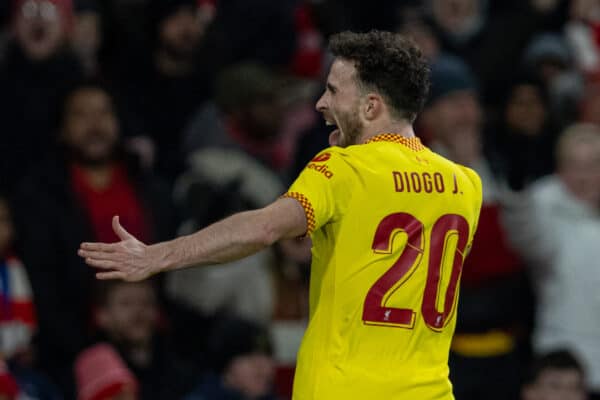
{"x": 308, "y": 209}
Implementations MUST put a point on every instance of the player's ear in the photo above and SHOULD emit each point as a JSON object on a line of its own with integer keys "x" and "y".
{"x": 373, "y": 106}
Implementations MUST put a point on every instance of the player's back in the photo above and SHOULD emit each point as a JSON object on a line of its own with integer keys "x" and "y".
{"x": 386, "y": 267}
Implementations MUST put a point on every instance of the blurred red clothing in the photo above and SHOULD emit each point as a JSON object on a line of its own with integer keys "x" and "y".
{"x": 118, "y": 198}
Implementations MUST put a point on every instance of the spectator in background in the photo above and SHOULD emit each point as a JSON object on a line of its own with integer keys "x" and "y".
{"x": 243, "y": 368}
{"x": 211, "y": 190}
{"x": 127, "y": 314}
{"x": 247, "y": 115}
{"x": 589, "y": 106}
{"x": 262, "y": 30}
{"x": 102, "y": 375}
{"x": 581, "y": 31}
{"x": 235, "y": 153}
{"x": 9, "y": 390}
{"x": 415, "y": 25}
{"x": 17, "y": 317}
{"x": 555, "y": 376}
{"x": 169, "y": 84}
{"x": 67, "y": 199}
{"x": 308, "y": 57}
{"x": 522, "y": 141}
{"x": 492, "y": 311}
{"x": 36, "y": 69}
{"x": 558, "y": 229}
{"x": 549, "y": 58}
{"x": 86, "y": 38}
{"x": 468, "y": 29}
{"x": 458, "y": 22}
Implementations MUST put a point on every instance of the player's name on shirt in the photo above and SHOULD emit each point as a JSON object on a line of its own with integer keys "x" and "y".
{"x": 423, "y": 182}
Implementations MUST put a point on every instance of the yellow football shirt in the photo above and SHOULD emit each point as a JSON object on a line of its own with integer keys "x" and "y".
{"x": 391, "y": 223}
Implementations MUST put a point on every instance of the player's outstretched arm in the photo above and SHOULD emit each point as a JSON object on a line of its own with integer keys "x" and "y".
{"x": 233, "y": 238}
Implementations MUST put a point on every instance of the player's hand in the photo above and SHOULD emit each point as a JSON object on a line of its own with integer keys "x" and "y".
{"x": 129, "y": 260}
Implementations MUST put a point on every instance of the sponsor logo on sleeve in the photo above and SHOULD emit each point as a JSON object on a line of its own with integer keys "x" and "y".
{"x": 321, "y": 168}
{"x": 321, "y": 157}
{"x": 315, "y": 164}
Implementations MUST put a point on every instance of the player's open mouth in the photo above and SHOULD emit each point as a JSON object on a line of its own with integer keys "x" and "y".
{"x": 334, "y": 135}
{"x": 333, "y": 125}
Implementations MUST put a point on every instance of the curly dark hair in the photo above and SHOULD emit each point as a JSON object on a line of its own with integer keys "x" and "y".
{"x": 389, "y": 63}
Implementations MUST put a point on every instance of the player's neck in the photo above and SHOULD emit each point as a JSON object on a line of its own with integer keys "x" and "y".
{"x": 402, "y": 128}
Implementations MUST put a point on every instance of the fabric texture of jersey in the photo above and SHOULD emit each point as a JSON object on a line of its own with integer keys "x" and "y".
{"x": 391, "y": 223}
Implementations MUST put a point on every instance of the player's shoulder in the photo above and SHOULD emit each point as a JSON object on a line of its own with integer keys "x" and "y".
{"x": 356, "y": 155}
{"x": 334, "y": 155}
{"x": 328, "y": 152}
{"x": 471, "y": 175}
{"x": 475, "y": 192}
{"x": 333, "y": 163}
{"x": 451, "y": 166}
{"x": 459, "y": 171}
{"x": 333, "y": 152}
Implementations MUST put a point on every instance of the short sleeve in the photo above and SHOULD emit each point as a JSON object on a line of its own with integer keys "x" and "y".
{"x": 323, "y": 188}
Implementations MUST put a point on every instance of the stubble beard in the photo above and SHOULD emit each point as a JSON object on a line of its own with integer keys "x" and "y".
{"x": 351, "y": 129}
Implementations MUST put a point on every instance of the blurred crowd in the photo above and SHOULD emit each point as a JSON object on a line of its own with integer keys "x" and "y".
{"x": 175, "y": 113}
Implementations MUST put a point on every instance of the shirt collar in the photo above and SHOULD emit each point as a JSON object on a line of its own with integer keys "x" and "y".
{"x": 413, "y": 143}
